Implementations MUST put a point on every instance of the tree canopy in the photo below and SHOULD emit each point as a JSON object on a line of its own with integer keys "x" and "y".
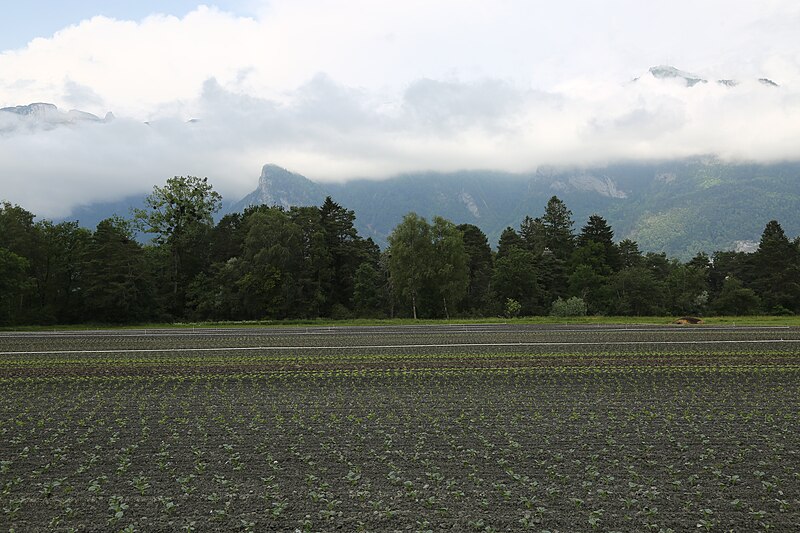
{"x": 308, "y": 262}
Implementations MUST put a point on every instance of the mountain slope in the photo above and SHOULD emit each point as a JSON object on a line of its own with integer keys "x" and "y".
{"x": 678, "y": 207}
{"x": 278, "y": 186}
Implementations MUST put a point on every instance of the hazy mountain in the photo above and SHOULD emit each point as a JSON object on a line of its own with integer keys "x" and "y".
{"x": 278, "y": 186}
{"x": 663, "y": 72}
{"x": 88, "y": 216}
{"x": 668, "y": 72}
{"x": 679, "y": 207}
{"x": 45, "y": 116}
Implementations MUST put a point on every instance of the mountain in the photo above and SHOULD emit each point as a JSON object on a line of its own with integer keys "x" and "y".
{"x": 89, "y": 216}
{"x": 664, "y": 72}
{"x": 278, "y": 186}
{"x": 45, "y": 116}
{"x": 668, "y": 72}
{"x": 678, "y": 207}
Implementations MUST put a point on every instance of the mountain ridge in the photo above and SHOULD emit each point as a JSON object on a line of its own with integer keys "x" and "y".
{"x": 668, "y": 72}
{"x": 678, "y": 207}
{"x": 46, "y": 115}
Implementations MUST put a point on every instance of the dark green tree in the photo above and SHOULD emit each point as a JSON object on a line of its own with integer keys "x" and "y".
{"x": 592, "y": 288}
{"x": 590, "y": 276}
{"x": 726, "y": 265}
{"x": 227, "y": 238}
{"x": 17, "y": 231}
{"x": 217, "y": 294}
{"x": 736, "y": 299}
{"x": 479, "y": 263}
{"x": 515, "y": 278}
{"x": 14, "y": 283}
{"x": 272, "y": 258}
{"x": 659, "y": 264}
{"x": 557, "y": 222}
{"x": 370, "y": 291}
{"x": 346, "y": 252}
{"x": 56, "y": 263}
{"x": 116, "y": 287}
{"x": 701, "y": 261}
{"x": 687, "y": 291}
{"x": 777, "y": 271}
{"x": 533, "y": 234}
{"x": 314, "y": 272}
{"x": 599, "y": 232}
{"x": 638, "y": 292}
{"x": 508, "y": 239}
{"x": 629, "y": 253}
{"x": 18, "y": 236}
{"x": 593, "y": 255}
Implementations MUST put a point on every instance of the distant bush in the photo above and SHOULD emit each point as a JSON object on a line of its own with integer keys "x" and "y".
{"x": 512, "y": 308}
{"x": 572, "y": 307}
{"x": 736, "y": 299}
{"x": 340, "y": 312}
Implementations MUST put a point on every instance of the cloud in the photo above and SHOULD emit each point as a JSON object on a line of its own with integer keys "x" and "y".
{"x": 337, "y": 90}
{"x": 81, "y": 96}
{"x": 447, "y": 106}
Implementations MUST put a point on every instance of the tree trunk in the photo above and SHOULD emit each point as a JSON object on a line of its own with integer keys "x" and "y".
{"x": 446, "y": 313}
{"x": 414, "y": 305}
{"x": 175, "y": 267}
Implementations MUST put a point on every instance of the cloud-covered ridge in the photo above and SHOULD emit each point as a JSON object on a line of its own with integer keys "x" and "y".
{"x": 332, "y": 95}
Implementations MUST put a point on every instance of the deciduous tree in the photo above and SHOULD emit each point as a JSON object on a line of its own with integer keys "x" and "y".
{"x": 449, "y": 269}
{"x": 410, "y": 249}
{"x": 173, "y": 212}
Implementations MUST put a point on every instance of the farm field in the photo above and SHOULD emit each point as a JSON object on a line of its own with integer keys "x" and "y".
{"x": 402, "y": 428}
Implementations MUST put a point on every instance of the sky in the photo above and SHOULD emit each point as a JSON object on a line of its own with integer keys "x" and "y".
{"x": 347, "y": 89}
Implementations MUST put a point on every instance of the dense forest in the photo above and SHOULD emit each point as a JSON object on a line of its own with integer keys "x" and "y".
{"x": 309, "y": 262}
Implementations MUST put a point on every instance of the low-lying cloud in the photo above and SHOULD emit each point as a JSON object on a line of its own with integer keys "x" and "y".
{"x": 245, "y": 97}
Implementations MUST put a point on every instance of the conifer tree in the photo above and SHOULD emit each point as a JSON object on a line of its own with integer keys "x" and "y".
{"x": 557, "y": 222}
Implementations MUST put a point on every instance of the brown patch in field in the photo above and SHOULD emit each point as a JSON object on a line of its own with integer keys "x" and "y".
{"x": 689, "y": 320}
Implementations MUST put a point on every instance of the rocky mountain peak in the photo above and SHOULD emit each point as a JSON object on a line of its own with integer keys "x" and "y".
{"x": 43, "y": 115}
{"x": 663, "y": 72}
{"x": 279, "y": 187}
{"x": 36, "y": 109}
{"x": 668, "y": 72}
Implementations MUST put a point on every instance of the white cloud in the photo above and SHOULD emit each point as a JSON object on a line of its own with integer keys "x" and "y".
{"x": 368, "y": 89}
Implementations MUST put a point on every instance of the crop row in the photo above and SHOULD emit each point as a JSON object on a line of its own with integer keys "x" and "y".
{"x": 476, "y": 451}
{"x": 596, "y": 437}
{"x": 592, "y": 337}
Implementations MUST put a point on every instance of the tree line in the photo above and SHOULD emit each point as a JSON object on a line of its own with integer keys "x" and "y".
{"x": 309, "y": 262}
